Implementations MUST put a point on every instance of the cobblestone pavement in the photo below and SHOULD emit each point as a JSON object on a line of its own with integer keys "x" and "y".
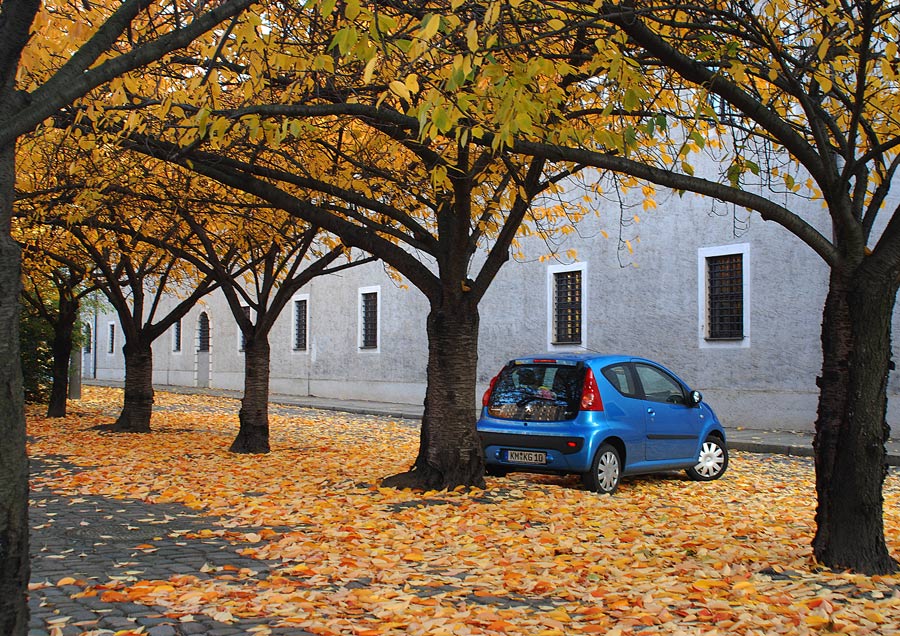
{"x": 95, "y": 539}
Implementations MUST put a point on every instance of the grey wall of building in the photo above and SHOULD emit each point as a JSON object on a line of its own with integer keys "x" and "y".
{"x": 644, "y": 302}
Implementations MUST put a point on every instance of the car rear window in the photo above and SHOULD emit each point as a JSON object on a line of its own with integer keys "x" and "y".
{"x": 537, "y": 392}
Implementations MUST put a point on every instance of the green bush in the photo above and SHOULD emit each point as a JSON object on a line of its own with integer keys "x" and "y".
{"x": 35, "y": 336}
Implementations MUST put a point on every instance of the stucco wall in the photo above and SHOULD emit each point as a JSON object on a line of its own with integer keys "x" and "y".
{"x": 644, "y": 302}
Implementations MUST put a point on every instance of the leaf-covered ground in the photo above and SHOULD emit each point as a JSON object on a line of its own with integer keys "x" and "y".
{"x": 528, "y": 555}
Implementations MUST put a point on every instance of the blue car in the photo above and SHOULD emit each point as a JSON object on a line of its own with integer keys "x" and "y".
{"x": 600, "y": 416}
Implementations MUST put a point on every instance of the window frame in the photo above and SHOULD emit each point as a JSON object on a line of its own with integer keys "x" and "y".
{"x": 298, "y": 298}
{"x": 200, "y": 339}
{"x": 703, "y": 309}
{"x": 552, "y": 272}
{"x": 110, "y": 338}
{"x": 360, "y": 329}
{"x": 176, "y": 336}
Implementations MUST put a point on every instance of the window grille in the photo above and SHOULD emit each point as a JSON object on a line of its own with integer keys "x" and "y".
{"x": 203, "y": 333}
{"x": 725, "y": 297}
{"x": 567, "y": 307}
{"x": 300, "y": 325}
{"x": 369, "y": 320}
{"x": 112, "y": 339}
{"x": 88, "y": 339}
{"x": 176, "y": 337}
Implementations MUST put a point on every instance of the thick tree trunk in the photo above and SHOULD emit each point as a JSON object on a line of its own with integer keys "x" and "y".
{"x": 851, "y": 429}
{"x": 138, "y": 407}
{"x": 450, "y": 452}
{"x": 253, "y": 435}
{"x": 62, "y": 353}
{"x": 14, "y": 563}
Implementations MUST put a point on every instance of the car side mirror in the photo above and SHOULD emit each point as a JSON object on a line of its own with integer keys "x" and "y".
{"x": 696, "y": 398}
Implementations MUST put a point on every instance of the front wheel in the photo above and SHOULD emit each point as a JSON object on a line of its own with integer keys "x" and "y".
{"x": 712, "y": 462}
{"x": 605, "y": 471}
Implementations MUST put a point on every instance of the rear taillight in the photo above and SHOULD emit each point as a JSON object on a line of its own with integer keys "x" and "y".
{"x": 487, "y": 394}
{"x": 590, "y": 395}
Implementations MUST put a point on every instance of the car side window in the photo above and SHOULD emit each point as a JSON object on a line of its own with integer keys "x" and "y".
{"x": 619, "y": 376}
{"x": 659, "y": 386}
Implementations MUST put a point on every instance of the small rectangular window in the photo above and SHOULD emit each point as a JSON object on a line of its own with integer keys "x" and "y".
{"x": 88, "y": 339}
{"x": 369, "y": 320}
{"x": 176, "y": 337}
{"x": 567, "y": 307}
{"x": 300, "y": 325}
{"x": 725, "y": 297}
{"x": 203, "y": 333}
{"x": 112, "y": 339}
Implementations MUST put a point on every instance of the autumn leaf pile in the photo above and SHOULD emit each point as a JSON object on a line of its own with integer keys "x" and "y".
{"x": 528, "y": 555}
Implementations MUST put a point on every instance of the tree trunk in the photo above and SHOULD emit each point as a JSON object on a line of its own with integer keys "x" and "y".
{"x": 450, "y": 452}
{"x": 63, "y": 329}
{"x": 14, "y": 562}
{"x": 851, "y": 429}
{"x": 253, "y": 435}
{"x": 138, "y": 407}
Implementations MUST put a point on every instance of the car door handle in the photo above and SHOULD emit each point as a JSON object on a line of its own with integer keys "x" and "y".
{"x": 651, "y": 412}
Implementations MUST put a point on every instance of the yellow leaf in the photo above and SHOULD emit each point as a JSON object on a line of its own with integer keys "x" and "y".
{"x": 412, "y": 83}
{"x": 399, "y": 88}
{"x": 369, "y": 70}
{"x": 815, "y": 620}
{"x": 430, "y": 27}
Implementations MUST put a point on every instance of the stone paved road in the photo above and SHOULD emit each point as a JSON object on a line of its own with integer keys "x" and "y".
{"x": 95, "y": 539}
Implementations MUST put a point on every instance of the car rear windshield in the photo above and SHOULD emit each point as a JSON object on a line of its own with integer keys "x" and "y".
{"x": 537, "y": 392}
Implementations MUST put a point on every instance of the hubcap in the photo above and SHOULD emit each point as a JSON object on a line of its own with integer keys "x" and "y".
{"x": 608, "y": 471}
{"x": 711, "y": 460}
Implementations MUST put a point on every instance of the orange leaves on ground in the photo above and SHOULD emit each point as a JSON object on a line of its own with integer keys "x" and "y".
{"x": 529, "y": 555}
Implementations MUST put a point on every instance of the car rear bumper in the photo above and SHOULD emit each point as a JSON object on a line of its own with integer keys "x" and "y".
{"x": 567, "y": 454}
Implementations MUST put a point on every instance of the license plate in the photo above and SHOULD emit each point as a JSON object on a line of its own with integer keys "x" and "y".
{"x": 526, "y": 457}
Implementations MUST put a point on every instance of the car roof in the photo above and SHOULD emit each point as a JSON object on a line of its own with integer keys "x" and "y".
{"x": 572, "y": 356}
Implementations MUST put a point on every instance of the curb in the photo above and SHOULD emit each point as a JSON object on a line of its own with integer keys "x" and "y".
{"x": 789, "y": 449}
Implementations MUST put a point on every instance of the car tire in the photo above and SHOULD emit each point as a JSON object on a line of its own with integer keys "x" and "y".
{"x": 713, "y": 460}
{"x": 605, "y": 472}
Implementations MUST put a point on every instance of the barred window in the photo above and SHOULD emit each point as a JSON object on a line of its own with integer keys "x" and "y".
{"x": 88, "y": 339}
{"x": 112, "y": 339}
{"x": 567, "y": 299}
{"x": 725, "y": 297}
{"x": 203, "y": 333}
{"x": 368, "y": 320}
{"x": 176, "y": 337}
{"x": 300, "y": 325}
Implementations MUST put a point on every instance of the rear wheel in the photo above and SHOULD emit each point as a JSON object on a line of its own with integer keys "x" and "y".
{"x": 712, "y": 462}
{"x": 605, "y": 472}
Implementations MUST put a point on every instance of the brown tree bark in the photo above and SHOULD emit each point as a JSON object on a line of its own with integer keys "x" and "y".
{"x": 851, "y": 429}
{"x": 14, "y": 563}
{"x": 138, "y": 403}
{"x": 253, "y": 434}
{"x": 450, "y": 452}
{"x": 63, "y": 328}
